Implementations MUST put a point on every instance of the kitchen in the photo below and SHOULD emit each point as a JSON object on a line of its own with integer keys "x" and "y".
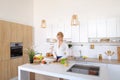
{"x": 95, "y": 32}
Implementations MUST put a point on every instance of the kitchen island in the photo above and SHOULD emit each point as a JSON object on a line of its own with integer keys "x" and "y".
{"x": 60, "y": 71}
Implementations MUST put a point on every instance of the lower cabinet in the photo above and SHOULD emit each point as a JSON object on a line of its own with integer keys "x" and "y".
{"x": 9, "y": 68}
{"x": 44, "y": 77}
{"x": 114, "y": 72}
{"x": 4, "y": 70}
{"x": 14, "y": 63}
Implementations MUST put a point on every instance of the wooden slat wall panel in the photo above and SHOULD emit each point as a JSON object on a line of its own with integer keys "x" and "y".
{"x": 19, "y": 33}
{"x": 118, "y": 51}
{"x": 0, "y": 41}
{"x": 32, "y": 76}
{"x": 5, "y": 40}
{"x": 30, "y": 34}
{"x": 27, "y": 40}
{"x": 5, "y": 70}
{"x": 5, "y": 32}
{"x": 13, "y": 32}
{"x": 14, "y": 63}
{"x": 5, "y": 51}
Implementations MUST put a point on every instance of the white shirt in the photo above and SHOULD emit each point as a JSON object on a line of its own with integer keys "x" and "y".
{"x": 60, "y": 51}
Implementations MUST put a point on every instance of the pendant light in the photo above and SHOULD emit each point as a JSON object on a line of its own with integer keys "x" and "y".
{"x": 74, "y": 20}
{"x": 43, "y": 24}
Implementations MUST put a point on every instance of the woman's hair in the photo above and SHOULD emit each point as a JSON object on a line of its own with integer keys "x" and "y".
{"x": 60, "y": 34}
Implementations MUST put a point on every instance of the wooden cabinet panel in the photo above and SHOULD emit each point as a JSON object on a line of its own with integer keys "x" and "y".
{"x": 4, "y": 70}
{"x": 118, "y": 53}
{"x": 27, "y": 40}
{"x": 5, "y": 51}
{"x": 0, "y": 53}
{"x": 13, "y": 32}
{"x": 16, "y": 32}
{"x": 5, "y": 31}
{"x": 19, "y": 33}
{"x": 30, "y": 35}
{"x": 14, "y": 63}
{"x": 4, "y": 40}
{"x": 25, "y": 58}
{"x": 0, "y": 41}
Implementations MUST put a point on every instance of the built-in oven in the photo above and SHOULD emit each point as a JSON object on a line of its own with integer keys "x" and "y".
{"x": 16, "y": 49}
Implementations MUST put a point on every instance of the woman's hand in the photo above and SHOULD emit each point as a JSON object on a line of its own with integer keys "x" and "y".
{"x": 59, "y": 59}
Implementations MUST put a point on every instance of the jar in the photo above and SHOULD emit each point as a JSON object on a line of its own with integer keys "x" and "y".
{"x": 100, "y": 57}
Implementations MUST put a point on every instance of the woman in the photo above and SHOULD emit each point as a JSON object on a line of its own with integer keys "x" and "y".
{"x": 60, "y": 48}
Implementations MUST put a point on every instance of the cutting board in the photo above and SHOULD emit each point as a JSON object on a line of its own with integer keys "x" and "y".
{"x": 118, "y": 53}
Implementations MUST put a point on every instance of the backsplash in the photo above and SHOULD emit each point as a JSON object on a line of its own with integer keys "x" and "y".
{"x": 93, "y": 53}
{"x": 85, "y": 50}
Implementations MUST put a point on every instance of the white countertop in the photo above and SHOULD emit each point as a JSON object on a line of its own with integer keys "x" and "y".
{"x": 59, "y": 70}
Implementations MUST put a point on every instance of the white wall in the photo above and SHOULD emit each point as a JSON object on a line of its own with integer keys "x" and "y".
{"x": 20, "y": 11}
{"x": 59, "y": 12}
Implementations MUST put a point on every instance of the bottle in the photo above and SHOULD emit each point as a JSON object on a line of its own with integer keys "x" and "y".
{"x": 80, "y": 54}
{"x": 100, "y": 57}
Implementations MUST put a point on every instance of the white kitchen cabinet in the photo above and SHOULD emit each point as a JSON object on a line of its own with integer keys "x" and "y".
{"x": 83, "y": 31}
{"x": 49, "y": 31}
{"x": 118, "y": 27}
{"x": 75, "y": 33}
{"x": 67, "y": 32}
{"x": 101, "y": 28}
{"x": 114, "y": 72}
{"x": 111, "y": 27}
{"x": 57, "y": 28}
{"x": 92, "y": 29}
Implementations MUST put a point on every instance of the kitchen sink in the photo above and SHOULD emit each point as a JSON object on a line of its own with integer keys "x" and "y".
{"x": 85, "y": 69}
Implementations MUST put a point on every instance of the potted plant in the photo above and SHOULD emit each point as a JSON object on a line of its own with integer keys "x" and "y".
{"x": 31, "y": 54}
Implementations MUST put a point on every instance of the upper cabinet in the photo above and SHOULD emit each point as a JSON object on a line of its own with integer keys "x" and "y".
{"x": 49, "y": 31}
{"x": 98, "y": 28}
{"x": 52, "y": 31}
{"x": 101, "y": 28}
{"x": 83, "y": 31}
{"x": 75, "y": 33}
{"x": 111, "y": 27}
{"x": 67, "y": 32}
{"x": 92, "y": 29}
{"x": 118, "y": 27}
